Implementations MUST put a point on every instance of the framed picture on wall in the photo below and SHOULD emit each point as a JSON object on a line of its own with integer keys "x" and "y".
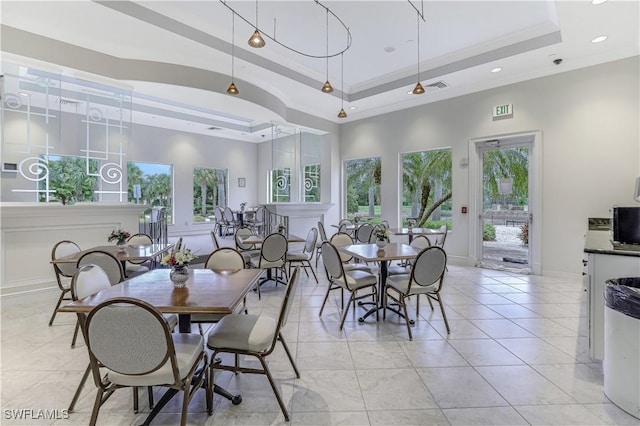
{"x": 242, "y": 182}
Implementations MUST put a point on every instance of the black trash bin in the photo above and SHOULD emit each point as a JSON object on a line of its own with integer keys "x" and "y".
{"x": 621, "y": 363}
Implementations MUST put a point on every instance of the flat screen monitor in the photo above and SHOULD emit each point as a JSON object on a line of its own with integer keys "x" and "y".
{"x": 626, "y": 225}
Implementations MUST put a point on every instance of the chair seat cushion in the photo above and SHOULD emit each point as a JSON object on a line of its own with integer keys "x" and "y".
{"x": 358, "y": 279}
{"x": 255, "y": 262}
{"x": 136, "y": 267}
{"x": 188, "y": 348}
{"x": 401, "y": 284}
{"x": 397, "y": 270}
{"x": 297, "y": 256}
{"x": 249, "y": 255}
{"x": 243, "y": 332}
{"x": 359, "y": 267}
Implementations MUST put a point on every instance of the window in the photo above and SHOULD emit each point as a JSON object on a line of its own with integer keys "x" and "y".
{"x": 426, "y": 188}
{"x": 297, "y": 158}
{"x": 70, "y": 179}
{"x": 209, "y": 191}
{"x": 151, "y": 184}
{"x": 363, "y": 178}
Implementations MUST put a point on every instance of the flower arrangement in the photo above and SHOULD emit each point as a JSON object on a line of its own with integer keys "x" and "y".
{"x": 178, "y": 258}
{"x": 119, "y": 235}
{"x": 242, "y": 206}
{"x": 382, "y": 234}
{"x": 411, "y": 223}
{"x": 357, "y": 218}
{"x": 281, "y": 228}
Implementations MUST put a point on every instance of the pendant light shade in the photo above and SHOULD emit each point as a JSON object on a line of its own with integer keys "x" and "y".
{"x": 342, "y": 113}
{"x": 327, "y": 87}
{"x": 256, "y": 39}
{"x": 418, "y": 90}
{"x": 233, "y": 90}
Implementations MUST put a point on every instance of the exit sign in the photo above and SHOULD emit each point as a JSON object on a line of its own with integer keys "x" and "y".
{"x": 503, "y": 111}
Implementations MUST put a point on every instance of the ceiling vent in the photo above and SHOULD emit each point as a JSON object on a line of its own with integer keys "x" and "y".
{"x": 214, "y": 128}
{"x": 437, "y": 85}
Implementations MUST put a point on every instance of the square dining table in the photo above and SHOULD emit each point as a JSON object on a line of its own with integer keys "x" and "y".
{"x": 207, "y": 291}
{"x": 373, "y": 253}
{"x": 412, "y": 232}
{"x": 134, "y": 253}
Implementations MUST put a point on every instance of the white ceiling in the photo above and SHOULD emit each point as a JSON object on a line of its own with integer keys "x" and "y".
{"x": 460, "y": 42}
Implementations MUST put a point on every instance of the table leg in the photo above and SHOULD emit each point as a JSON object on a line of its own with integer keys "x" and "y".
{"x": 382, "y": 300}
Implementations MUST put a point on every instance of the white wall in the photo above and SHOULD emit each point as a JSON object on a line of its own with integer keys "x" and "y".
{"x": 589, "y": 121}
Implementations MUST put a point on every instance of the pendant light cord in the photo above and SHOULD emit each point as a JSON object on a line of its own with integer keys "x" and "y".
{"x": 418, "y": 17}
{"x": 327, "y": 44}
{"x": 233, "y": 44}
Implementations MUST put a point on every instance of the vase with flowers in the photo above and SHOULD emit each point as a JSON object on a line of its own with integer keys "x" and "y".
{"x": 120, "y": 236}
{"x": 382, "y": 237}
{"x": 243, "y": 206}
{"x": 179, "y": 261}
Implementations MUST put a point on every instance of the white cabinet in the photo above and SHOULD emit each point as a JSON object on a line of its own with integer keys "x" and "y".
{"x": 604, "y": 265}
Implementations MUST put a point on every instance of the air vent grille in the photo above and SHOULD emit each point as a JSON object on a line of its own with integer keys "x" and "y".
{"x": 438, "y": 85}
{"x": 68, "y": 102}
{"x": 214, "y": 128}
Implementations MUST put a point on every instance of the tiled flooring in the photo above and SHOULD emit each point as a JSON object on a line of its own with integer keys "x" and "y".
{"x": 517, "y": 354}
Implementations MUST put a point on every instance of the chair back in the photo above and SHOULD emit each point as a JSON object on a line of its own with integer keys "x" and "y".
{"x": 105, "y": 260}
{"x": 218, "y": 214}
{"x": 420, "y": 242}
{"x": 429, "y": 268}
{"x": 88, "y": 279}
{"x": 139, "y": 240}
{"x": 332, "y": 261}
{"x": 363, "y": 234}
{"x": 62, "y": 249}
{"x": 310, "y": 242}
{"x": 385, "y": 224}
{"x": 225, "y": 258}
{"x": 344, "y": 222}
{"x": 214, "y": 240}
{"x": 274, "y": 248}
{"x": 228, "y": 215}
{"x": 340, "y": 239}
{"x": 287, "y": 302}
{"x": 441, "y": 238}
{"x": 259, "y": 215}
{"x": 241, "y": 233}
{"x": 129, "y": 336}
{"x": 323, "y": 233}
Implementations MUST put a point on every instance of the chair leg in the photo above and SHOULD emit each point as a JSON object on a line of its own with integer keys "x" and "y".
{"x": 446, "y": 323}
{"x": 417, "y": 306}
{"x": 135, "y": 399}
{"x": 286, "y": 349}
{"x": 96, "y": 408}
{"x": 85, "y": 376}
{"x": 185, "y": 404}
{"x": 313, "y": 272}
{"x": 275, "y": 389}
{"x": 150, "y": 392}
{"x": 55, "y": 310}
{"x": 75, "y": 335}
{"x": 403, "y": 302}
{"x": 326, "y": 296}
{"x": 346, "y": 310}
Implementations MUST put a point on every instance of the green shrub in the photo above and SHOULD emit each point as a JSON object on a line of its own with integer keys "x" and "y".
{"x": 524, "y": 233}
{"x": 488, "y": 232}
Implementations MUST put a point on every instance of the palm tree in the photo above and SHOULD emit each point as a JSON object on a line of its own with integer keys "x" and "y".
{"x": 220, "y": 199}
{"x": 506, "y": 163}
{"x": 364, "y": 176}
{"x": 423, "y": 171}
{"x": 135, "y": 176}
{"x": 204, "y": 178}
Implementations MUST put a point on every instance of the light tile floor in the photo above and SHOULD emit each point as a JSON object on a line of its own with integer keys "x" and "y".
{"x": 517, "y": 354}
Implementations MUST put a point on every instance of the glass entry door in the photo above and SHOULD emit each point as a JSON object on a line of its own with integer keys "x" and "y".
{"x": 505, "y": 219}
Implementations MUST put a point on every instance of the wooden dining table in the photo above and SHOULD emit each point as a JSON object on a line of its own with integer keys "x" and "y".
{"x": 412, "y": 232}
{"x": 373, "y": 253}
{"x": 207, "y": 291}
{"x": 133, "y": 253}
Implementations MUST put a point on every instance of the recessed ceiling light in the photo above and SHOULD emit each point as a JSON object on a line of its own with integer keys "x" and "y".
{"x": 410, "y": 92}
{"x": 598, "y": 1}
{"x": 496, "y": 69}
{"x": 23, "y": 94}
{"x": 353, "y": 108}
{"x": 599, "y": 39}
{"x": 389, "y": 49}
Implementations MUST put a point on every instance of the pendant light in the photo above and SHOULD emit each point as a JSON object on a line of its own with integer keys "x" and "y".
{"x": 342, "y": 113}
{"x": 418, "y": 90}
{"x": 233, "y": 90}
{"x": 326, "y": 87}
{"x": 256, "y": 39}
